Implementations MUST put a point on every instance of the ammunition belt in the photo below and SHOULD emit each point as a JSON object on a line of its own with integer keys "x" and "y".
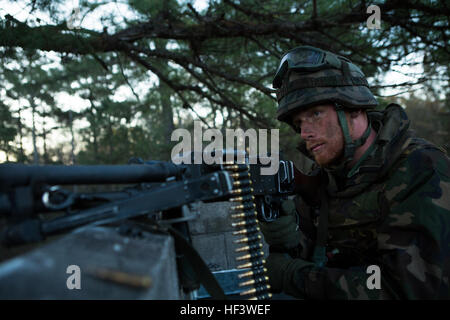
{"x": 243, "y": 214}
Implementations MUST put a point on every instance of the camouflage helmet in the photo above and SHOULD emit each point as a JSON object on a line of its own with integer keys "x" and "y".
{"x": 309, "y": 76}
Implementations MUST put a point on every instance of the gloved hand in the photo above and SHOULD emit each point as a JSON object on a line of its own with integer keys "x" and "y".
{"x": 276, "y": 264}
{"x": 282, "y": 233}
{"x": 285, "y": 274}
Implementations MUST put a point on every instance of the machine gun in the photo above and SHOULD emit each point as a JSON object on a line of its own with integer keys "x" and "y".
{"x": 161, "y": 198}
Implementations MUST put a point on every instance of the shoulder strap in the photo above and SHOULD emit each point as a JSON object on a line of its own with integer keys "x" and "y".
{"x": 196, "y": 264}
{"x": 199, "y": 266}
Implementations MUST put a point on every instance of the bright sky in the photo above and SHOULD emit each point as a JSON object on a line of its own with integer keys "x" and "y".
{"x": 120, "y": 11}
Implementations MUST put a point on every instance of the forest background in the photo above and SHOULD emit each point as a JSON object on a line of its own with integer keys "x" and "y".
{"x": 100, "y": 82}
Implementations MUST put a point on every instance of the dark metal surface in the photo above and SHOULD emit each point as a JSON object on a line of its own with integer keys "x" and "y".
{"x": 207, "y": 187}
{"x": 13, "y": 175}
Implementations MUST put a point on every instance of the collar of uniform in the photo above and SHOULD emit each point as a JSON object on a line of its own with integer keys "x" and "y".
{"x": 391, "y": 126}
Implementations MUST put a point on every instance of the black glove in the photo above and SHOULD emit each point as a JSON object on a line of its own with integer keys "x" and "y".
{"x": 285, "y": 274}
{"x": 282, "y": 234}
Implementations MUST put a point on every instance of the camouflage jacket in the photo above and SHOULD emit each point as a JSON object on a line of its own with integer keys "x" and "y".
{"x": 392, "y": 211}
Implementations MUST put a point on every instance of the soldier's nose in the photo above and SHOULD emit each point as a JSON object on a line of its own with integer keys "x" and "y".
{"x": 307, "y": 132}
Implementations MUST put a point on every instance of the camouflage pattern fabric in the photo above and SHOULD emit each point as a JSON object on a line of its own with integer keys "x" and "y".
{"x": 352, "y": 96}
{"x": 394, "y": 212}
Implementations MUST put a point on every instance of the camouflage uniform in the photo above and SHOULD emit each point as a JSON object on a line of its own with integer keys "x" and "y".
{"x": 392, "y": 210}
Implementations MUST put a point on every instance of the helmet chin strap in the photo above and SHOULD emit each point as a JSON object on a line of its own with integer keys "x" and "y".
{"x": 350, "y": 145}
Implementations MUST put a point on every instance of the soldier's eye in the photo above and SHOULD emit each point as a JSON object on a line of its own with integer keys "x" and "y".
{"x": 317, "y": 113}
{"x": 297, "y": 126}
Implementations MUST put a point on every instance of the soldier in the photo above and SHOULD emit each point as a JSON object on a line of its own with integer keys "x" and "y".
{"x": 377, "y": 226}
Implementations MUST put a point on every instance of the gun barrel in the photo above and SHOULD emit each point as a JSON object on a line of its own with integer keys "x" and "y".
{"x": 14, "y": 175}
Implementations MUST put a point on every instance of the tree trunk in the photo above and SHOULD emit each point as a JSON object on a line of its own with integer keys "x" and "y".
{"x": 33, "y": 132}
{"x": 72, "y": 151}
{"x": 19, "y": 125}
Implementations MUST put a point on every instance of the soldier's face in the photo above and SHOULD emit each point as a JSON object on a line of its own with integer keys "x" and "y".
{"x": 322, "y": 133}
